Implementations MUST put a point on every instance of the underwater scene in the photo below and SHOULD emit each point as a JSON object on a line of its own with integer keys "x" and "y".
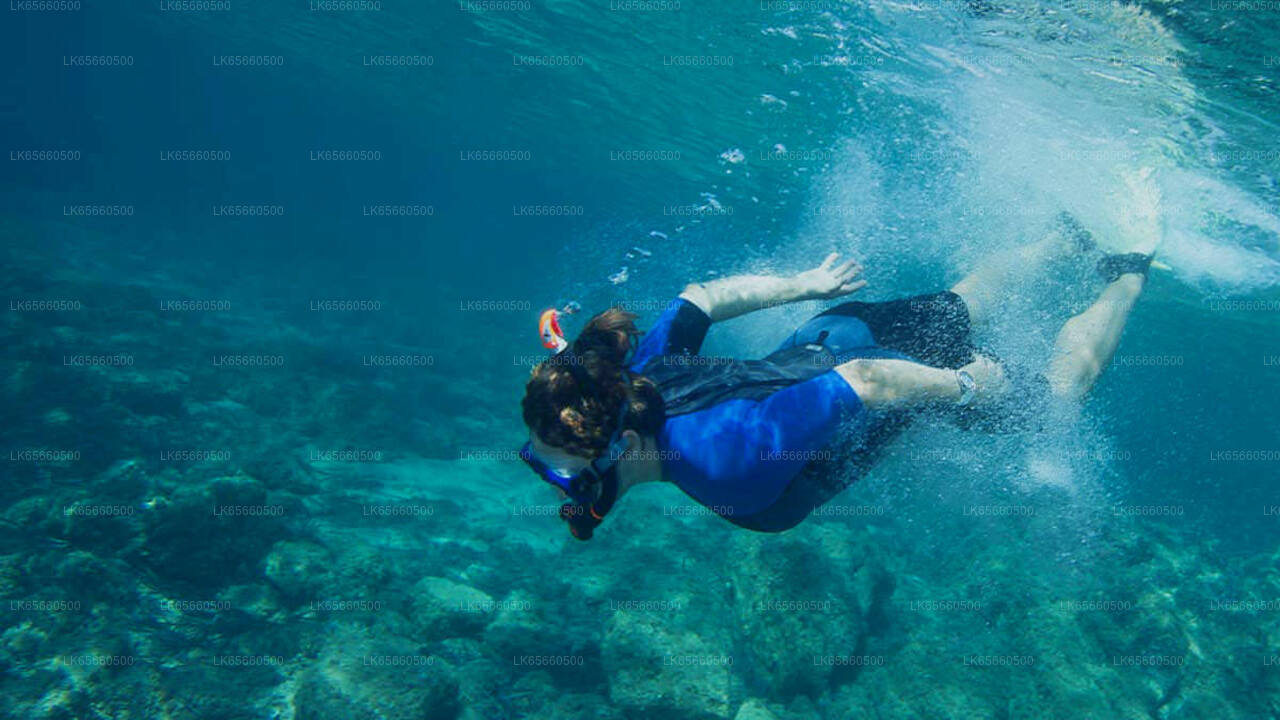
{"x": 640, "y": 359}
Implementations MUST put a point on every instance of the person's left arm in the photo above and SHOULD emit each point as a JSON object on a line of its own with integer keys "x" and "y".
{"x": 883, "y": 383}
{"x": 733, "y": 296}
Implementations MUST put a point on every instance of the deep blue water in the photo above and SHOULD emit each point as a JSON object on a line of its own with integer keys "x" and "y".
{"x": 918, "y": 137}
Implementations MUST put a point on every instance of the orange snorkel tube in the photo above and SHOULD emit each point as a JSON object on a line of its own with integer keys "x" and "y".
{"x": 549, "y": 327}
{"x": 549, "y": 330}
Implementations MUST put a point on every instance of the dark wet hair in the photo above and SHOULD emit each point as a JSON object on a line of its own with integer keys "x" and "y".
{"x": 573, "y": 399}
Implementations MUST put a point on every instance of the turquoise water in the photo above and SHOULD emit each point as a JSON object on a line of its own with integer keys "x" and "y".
{"x": 261, "y": 466}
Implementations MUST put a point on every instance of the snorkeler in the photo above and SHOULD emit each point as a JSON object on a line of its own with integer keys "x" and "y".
{"x": 752, "y": 439}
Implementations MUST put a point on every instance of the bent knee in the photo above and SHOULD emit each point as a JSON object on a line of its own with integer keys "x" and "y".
{"x": 968, "y": 294}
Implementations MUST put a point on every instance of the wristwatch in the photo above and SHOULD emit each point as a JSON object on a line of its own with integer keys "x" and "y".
{"x": 967, "y": 386}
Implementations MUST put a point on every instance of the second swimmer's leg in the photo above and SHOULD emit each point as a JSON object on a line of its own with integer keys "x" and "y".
{"x": 984, "y": 289}
{"x": 1087, "y": 342}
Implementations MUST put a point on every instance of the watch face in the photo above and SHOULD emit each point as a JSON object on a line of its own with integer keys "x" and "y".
{"x": 967, "y": 386}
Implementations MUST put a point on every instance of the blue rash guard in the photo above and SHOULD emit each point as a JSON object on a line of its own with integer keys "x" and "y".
{"x": 737, "y": 457}
{"x": 741, "y": 435}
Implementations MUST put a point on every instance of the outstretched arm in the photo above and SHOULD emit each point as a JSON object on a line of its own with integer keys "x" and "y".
{"x": 733, "y": 296}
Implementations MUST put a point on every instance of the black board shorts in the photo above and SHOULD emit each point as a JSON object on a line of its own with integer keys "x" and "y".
{"x": 934, "y": 330}
{"x": 930, "y": 329}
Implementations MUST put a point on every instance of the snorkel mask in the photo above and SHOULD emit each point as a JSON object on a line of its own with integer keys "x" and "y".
{"x": 592, "y": 490}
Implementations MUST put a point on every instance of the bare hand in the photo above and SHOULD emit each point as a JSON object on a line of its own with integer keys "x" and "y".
{"x": 829, "y": 280}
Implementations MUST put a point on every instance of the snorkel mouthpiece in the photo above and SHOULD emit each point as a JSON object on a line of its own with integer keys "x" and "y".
{"x": 584, "y": 518}
{"x": 581, "y": 526}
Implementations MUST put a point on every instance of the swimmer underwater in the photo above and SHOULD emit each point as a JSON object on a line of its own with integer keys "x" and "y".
{"x": 754, "y": 440}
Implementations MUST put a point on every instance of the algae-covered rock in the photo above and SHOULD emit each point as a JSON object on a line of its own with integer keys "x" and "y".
{"x": 480, "y": 676}
{"x": 375, "y": 677}
{"x": 519, "y": 627}
{"x": 125, "y": 481}
{"x": 211, "y": 535}
{"x": 443, "y": 608}
{"x": 798, "y": 612}
{"x": 754, "y": 709}
{"x": 660, "y": 668}
{"x": 155, "y": 392}
{"x": 90, "y": 579}
{"x": 575, "y": 706}
{"x": 298, "y": 570}
{"x": 101, "y": 527}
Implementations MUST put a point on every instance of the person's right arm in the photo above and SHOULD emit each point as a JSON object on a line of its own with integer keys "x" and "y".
{"x": 738, "y": 295}
{"x": 887, "y": 383}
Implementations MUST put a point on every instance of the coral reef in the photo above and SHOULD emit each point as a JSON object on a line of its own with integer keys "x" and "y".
{"x": 277, "y": 581}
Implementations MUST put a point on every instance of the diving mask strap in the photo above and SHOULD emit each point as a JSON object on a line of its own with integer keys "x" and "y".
{"x": 584, "y": 518}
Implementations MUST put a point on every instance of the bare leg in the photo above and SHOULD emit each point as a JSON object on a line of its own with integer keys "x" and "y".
{"x": 1087, "y": 342}
{"x": 983, "y": 289}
